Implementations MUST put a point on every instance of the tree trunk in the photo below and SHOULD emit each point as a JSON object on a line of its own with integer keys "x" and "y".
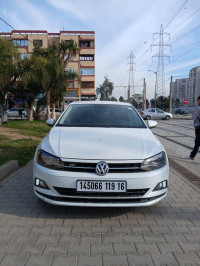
{"x": 48, "y": 104}
{"x": 53, "y": 114}
{"x": 30, "y": 111}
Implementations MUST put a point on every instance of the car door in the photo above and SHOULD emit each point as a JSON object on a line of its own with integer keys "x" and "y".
{"x": 153, "y": 113}
{"x": 159, "y": 113}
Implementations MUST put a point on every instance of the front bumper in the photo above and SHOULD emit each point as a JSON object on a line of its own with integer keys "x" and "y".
{"x": 140, "y": 188}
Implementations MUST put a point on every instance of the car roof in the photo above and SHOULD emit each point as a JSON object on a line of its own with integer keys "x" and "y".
{"x": 101, "y": 102}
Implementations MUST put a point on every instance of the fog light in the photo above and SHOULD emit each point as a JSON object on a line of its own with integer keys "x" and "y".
{"x": 161, "y": 185}
{"x": 40, "y": 183}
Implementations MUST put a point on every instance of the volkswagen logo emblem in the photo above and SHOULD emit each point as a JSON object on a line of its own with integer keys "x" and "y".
{"x": 102, "y": 168}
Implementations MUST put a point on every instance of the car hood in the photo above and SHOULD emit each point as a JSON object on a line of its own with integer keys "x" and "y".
{"x": 101, "y": 143}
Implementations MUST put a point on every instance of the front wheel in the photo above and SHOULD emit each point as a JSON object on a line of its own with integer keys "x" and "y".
{"x": 148, "y": 117}
{"x": 167, "y": 117}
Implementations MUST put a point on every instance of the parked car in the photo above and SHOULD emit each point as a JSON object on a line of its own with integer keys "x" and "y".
{"x": 100, "y": 154}
{"x": 58, "y": 111}
{"x": 3, "y": 116}
{"x": 181, "y": 111}
{"x": 155, "y": 113}
{"x": 16, "y": 112}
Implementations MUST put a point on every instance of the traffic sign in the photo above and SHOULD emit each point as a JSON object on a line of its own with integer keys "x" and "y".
{"x": 186, "y": 101}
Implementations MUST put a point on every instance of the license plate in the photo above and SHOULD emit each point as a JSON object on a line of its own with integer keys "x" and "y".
{"x": 100, "y": 186}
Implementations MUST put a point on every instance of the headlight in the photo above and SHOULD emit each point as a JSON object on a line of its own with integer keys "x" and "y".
{"x": 154, "y": 162}
{"x": 49, "y": 161}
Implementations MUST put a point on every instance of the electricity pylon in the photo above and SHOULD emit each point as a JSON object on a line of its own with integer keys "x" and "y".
{"x": 160, "y": 77}
{"x": 131, "y": 85}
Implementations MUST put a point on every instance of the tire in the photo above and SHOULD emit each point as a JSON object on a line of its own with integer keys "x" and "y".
{"x": 148, "y": 117}
{"x": 167, "y": 117}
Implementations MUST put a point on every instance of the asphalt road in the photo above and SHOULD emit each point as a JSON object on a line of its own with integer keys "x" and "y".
{"x": 168, "y": 233}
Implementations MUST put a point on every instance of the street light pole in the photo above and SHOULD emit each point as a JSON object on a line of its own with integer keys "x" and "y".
{"x": 155, "y": 72}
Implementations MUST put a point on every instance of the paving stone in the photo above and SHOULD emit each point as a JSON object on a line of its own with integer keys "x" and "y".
{"x": 179, "y": 229}
{"x": 169, "y": 248}
{"x": 83, "y": 248}
{"x": 7, "y": 239}
{"x": 101, "y": 230}
{"x": 116, "y": 260}
{"x": 122, "y": 248}
{"x": 101, "y": 249}
{"x": 13, "y": 260}
{"x": 41, "y": 230}
{"x": 69, "y": 239}
{"x": 47, "y": 239}
{"x": 60, "y": 230}
{"x": 139, "y": 260}
{"x": 20, "y": 230}
{"x": 76, "y": 230}
{"x": 140, "y": 229}
{"x": 43, "y": 260}
{"x": 59, "y": 260}
{"x": 10, "y": 249}
{"x": 55, "y": 249}
{"x": 192, "y": 237}
{"x": 160, "y": 229}
{"x": 92, "y": 239}
{"x": 174, "y": 238}
{"x": 152, "y": 238}
{"x": 121, "y": 230}
{"x": 133, "y": 238}
{"x": 164, "y": 259}
{"x": 190, "y": 247}
{"x": 147, "y": 248}
{"x": 31, "y": 249}
{"x": 112, "y": 239}
{"x": 89, "y": 260}
{"x": 187, "y": 258}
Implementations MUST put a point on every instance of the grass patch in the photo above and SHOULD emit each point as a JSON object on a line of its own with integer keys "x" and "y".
{"x": 29, "y": 128}
{"x": 21, "y": 149}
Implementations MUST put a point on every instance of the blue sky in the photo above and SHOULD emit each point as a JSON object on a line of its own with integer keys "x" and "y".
{"x": 120, "y": 26}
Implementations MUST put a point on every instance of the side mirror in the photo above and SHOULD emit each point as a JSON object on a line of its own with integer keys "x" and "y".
{"x": 151, "y": 124}
{"x": 51, "y": 122}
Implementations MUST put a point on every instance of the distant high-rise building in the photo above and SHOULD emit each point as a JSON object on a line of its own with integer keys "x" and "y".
{"x": 83, "y": 63}
{"x": 194, "y": 85}
{"x": 181, "y": 90}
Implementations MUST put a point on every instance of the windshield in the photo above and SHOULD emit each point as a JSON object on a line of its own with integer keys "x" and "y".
{"x": 101, "y": 115}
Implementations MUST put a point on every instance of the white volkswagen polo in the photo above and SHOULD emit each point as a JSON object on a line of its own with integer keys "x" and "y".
{"x": 100, "y": 154}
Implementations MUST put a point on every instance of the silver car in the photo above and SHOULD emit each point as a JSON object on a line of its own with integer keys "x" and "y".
{"x": 155, "y": 113}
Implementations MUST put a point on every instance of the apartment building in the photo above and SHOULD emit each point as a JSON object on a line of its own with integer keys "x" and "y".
{"x": 194, "y": 85}
{"x": 181, "y": 90}
{"x": 83, "y": 63}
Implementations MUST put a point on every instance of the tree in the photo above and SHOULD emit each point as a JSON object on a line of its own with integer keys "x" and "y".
{"x": 121, "y": 99}
{"x": 105, "y": 90}
{"x": 9, "y": 67}
{"x": 177, "y": 102}
{"x": 136, "y": 100}
{"x": 114, "y": 99}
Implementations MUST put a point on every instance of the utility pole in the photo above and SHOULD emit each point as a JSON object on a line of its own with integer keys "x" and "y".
{"x": 131, "y": 64}
{"x": 144, "y": 96}
{"x": 79, "y": 83}
{"x": 128, "y": 92}
{"x": 160, "y": 86}
{"x": 170, "y": 96}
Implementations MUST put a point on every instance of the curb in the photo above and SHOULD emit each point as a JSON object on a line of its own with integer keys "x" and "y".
{"x": 8, "y": 168}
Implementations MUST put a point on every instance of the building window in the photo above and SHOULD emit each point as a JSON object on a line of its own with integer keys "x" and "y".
{"x": 87, "y": 71}
{"x": 37, "y": 42}
{"x": 22, "y": 43}
{"x": 85, "y": 44}
{"x": 87, "y": 84}
{"x": 70, "y": 85}
{"x": 69, "y": 69}
{"x": 86, "y": 57}
{"x": 23, "y": 56}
